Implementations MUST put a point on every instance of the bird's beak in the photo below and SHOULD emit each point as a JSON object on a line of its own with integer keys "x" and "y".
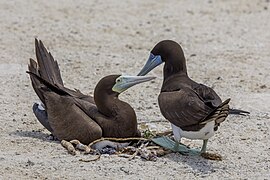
{"x": 122, "y": 83}
{"x": 152, "y": 62}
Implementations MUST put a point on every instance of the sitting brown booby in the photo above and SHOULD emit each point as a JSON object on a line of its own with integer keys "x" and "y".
{"x": 69, "y": 114}
{"x": 194, "y": 110}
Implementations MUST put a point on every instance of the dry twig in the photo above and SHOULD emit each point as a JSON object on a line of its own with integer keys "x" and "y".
{"x": 69, "y": 147}
{"x": 81, "y": 146}
{"x": 116, "y": 139}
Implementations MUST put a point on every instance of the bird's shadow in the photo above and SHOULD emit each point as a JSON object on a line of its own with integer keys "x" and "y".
{"x": 198, "y": 164}
{"x": 37, "y": 134}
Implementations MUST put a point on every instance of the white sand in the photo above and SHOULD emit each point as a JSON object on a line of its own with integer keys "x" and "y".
{"x": 231, "y": 40}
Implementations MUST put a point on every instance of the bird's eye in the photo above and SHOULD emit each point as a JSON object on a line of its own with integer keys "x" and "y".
{"x": 118, "y": 80}
{"x": 152, "y": 56}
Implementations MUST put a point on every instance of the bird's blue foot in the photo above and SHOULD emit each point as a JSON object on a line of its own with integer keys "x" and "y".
{"x": 168, "y": 143}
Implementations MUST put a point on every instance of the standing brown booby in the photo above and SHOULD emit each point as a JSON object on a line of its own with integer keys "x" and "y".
{"x": 70, "y": 114}
{"x": 194, "y": 110}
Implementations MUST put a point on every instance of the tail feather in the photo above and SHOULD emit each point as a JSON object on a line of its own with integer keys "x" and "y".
{"x": 238, "y": 112}
{"x": 219, "y": 114}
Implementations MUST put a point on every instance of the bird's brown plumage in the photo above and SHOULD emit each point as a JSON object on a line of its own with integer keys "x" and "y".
{"x": 73, "y": 115}
{"x": 182, "y": 101}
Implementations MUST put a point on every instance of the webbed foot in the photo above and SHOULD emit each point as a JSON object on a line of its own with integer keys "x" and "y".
{"x": 168, "y": 143}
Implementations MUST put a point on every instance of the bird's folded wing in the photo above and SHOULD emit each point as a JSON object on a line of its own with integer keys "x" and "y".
{"x": 208, "y": 95}
{"x": 183, "y": 107}
{"x": 69, "y": 121}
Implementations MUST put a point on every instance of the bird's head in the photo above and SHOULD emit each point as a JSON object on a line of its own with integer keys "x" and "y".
{"x": 167, "y": 51}
{"x": 116, "y": 84}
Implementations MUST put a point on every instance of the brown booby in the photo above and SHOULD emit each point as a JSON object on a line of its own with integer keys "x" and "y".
{"x": 194, "y": 110}
{"x": 69, "y": 114}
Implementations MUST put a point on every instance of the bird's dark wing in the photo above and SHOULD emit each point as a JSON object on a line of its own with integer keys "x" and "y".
{"x": 64, "y": 118}
{"x": 37, "y": 86}
{"x": 208, "y": 95}
{"x": 183, "y": 108}
{"x": 42, "y": 116}
{"x": 69, "y": 121}
{"x": 47, "y": 68}
{"x": 67, "y": 118}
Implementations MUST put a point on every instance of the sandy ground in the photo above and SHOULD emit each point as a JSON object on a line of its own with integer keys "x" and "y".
{"x": 227, "y": 46}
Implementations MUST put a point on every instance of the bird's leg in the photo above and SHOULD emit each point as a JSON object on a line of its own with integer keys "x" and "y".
{"x": 184, "y": 149}
{"x": 197, "y": 151}
{"x": 194, "y": 151}
{"x": 178, "y": 145}
{"x": 176, "y": 136}
{"x": 203, "y": 150}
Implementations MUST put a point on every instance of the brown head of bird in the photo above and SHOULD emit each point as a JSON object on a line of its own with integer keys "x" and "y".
{"x": 171, "y": 54}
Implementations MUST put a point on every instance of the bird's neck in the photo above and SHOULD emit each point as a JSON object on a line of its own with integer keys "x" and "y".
{"x": 105, "y": 102}
{"x": 173, "y": 70}
{"x": 175, "y": 82}
{"x": 110, "y": 105}
{"x": 174, "y": 66}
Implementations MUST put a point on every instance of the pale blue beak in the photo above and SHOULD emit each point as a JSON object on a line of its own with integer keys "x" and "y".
{"x": 152, "y": 62}
{"x": 124, "y": 82}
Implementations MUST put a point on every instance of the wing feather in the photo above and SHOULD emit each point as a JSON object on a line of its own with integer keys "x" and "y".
{"x": 47, "y": 68}
{"x": 208, "y": 95}
{"x": 187, "y": 110}
{"x": 73, "y": 123}
{"x": 183, "y": 107}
